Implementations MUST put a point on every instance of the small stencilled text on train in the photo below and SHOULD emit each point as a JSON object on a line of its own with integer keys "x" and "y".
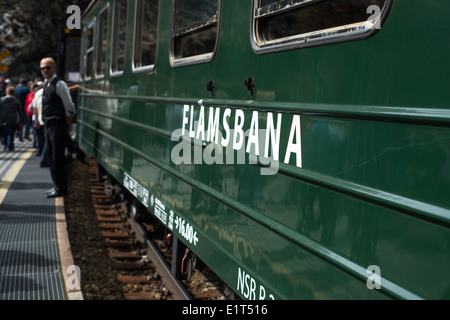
{"x": 173, "y": 221}
{"x": 159, "y": 209}
{"x": 219, "y": 132}
{"x": 183, "y": 228}
{"x": 136, "y": 189}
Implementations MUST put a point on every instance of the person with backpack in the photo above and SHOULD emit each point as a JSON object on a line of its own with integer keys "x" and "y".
{"x": 11, "y": 116}
{"x": 21, "y": 93}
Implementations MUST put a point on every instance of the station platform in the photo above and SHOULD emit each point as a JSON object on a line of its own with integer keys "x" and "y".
{"x": 35, "y": 257}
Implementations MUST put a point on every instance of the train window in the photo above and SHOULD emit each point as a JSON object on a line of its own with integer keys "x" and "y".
{"x": 119, "y": 34}
{"x": 101, "y": 42}
{"x": 287, "y": 24}
{"x": 89, "y": 45}
{"x": 145, "y": 34}
{"x": 195, "y": 26}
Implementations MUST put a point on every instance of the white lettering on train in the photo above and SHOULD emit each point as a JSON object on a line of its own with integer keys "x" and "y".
{"x": 260, "y": 144}
{"x": 248, "y": 287}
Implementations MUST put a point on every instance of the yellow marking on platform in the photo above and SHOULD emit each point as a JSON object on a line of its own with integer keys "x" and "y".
{"x": 12, "y": 174}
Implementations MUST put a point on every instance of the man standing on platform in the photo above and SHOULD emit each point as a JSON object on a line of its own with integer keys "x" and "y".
{"x": 58, "y": 111}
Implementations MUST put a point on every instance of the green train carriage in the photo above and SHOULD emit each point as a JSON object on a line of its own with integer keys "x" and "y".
{"x": 300, "y": 148}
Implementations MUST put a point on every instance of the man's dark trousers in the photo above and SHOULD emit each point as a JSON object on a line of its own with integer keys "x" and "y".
{"x": 55, "y": 139}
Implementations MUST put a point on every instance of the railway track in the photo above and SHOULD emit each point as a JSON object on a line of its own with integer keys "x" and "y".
{"x": 141, "y": 254}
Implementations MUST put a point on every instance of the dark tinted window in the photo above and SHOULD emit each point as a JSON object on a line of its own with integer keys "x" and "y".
{"x": 102, "y": 41}
{"x": 146, "y": 33}
{"x": 195, "y": 28}
{"x": 306, "y": 20}
{"x": 89, "y": 45}
{"x": 119, "y": 35}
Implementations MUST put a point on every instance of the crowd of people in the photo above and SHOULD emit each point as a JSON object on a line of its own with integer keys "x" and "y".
{"x": 40, "y": 111}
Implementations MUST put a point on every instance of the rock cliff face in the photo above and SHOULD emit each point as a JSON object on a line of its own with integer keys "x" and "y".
{"x": 31, "y": 29}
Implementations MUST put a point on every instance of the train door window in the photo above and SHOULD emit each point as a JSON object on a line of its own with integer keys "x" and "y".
{"x": 195, "y": 28}
{"x": 287, "y": 24}
{"x": 101, "y": 42}
{"x": 89, "y": 55}
{"x": 145, "y": 34}
{"x": 119, "y": 34}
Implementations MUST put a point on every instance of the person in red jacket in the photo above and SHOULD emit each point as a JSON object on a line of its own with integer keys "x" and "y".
{"x": 28, "y": 100}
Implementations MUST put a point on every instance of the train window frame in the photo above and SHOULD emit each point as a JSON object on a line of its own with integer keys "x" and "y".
{"x": 194, "y": 59}
{"x": 89, "y": 51}
{"x": 116, "y": 34}
{"x": 149, "y": 67}
{"x": 102, "y": 43}
{"x": 339, "y": 34}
